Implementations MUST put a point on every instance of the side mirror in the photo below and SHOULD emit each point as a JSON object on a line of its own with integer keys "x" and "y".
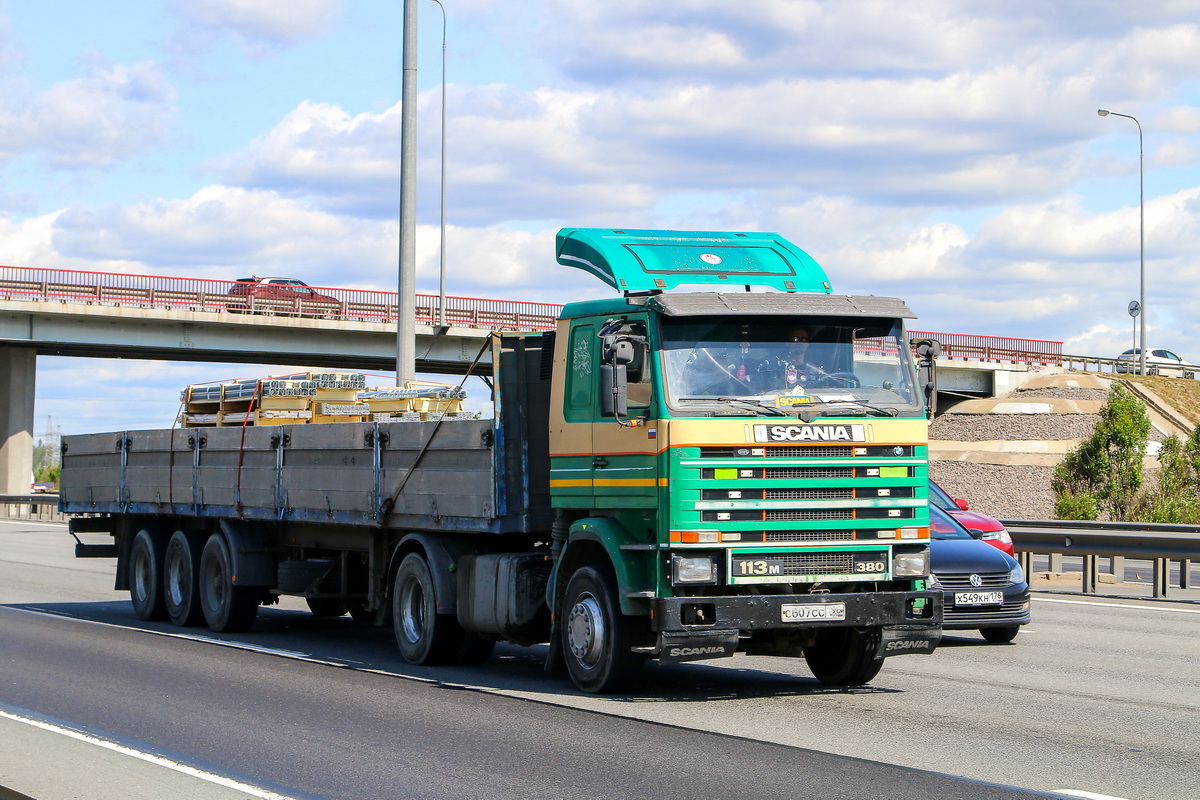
{"x": 963, "y": 505}
{"x": 927, "y": 351}
{"x": 620, "y": 350}
{"x": 614, "y": 390}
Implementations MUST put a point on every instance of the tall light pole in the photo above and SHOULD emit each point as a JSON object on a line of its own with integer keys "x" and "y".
{"x": 406, "y": 299}
{"x": 442, "y": 245}
{"x": 1104, "y": 112}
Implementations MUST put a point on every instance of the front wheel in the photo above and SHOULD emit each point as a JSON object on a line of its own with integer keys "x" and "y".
{"x": 845, "y": 656}
{"x": 1000, "y": 635}
{"x": 597, "y": 639}
{"x": 227, "y": 608}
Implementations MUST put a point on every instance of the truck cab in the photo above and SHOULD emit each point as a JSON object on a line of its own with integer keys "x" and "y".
{"x": 734, "y": 470}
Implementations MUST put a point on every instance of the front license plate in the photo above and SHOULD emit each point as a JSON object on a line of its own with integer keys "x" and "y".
{"x": 978, "y": 598}
{"x": 821, "y": 612}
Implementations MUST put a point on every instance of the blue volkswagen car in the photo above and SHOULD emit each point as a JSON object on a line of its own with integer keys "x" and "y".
{"x": 985, "y": 588}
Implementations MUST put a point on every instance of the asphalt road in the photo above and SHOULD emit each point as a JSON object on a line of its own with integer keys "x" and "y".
{"x": 1096, "y": 696}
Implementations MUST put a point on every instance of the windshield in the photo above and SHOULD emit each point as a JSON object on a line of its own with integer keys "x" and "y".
{"x": 787, "y": 364}
{"x": 944, "y": 526}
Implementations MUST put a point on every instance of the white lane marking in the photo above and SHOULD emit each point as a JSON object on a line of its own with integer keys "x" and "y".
{"x": 160, "y": 761}
{"x": 1116, "y": 605}
{"x": 1085, "y": 795}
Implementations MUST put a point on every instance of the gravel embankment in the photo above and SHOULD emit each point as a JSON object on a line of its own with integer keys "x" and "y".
{"x": 986, "y": 427}
{"x": 1004, "y": 492}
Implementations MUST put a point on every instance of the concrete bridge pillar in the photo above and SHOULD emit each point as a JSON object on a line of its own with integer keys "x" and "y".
{"x": 18, "y": 366}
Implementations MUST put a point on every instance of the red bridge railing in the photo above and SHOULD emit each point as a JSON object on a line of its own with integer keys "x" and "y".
{"x": 370, "y": 305}
{"x": 205, "y": 294}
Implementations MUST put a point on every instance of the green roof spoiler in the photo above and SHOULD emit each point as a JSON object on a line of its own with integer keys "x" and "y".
{"x": 653, "y": 261}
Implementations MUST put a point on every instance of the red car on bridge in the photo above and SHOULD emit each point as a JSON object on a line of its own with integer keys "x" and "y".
{"x": 279, "y": 296}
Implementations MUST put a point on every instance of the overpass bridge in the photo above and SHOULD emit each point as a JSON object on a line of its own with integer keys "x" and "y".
{"x": 94, "y": 314}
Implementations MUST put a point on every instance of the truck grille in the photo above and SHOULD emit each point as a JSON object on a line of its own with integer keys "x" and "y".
{"x": 809, "y": 473}
{"x": 809, "y": 494}
{"x": 816, "y": 563}
{"x": 816, "y": 513}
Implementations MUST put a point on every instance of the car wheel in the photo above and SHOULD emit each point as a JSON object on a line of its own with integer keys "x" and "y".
{"x": 1000, "y": 635}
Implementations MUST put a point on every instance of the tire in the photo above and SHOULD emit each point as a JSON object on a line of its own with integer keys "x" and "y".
{"x": 845, "y": 656}
{"x": 1000, "y": 635}
{"x": 597, "y": 639}
{"x": 146, "y": 577}
{"x": 424, "y": 636}
{"x": 227, "y": 608}
{"x": 326, "y": 606}
{"x": 181, "y": 593}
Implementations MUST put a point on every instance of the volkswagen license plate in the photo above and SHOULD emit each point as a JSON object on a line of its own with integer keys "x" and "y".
{"x": 821, "y": 612}
{"x": 978, "y": 598}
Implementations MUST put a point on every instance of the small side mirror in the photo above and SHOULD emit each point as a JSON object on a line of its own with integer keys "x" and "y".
{"x": 614, "y": 390}
{"x": 963, "y": 505}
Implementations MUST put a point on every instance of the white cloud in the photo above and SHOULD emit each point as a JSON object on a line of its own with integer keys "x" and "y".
{"x": 256, "y": 24}
{"x": 222, "y": 230}
{"x": 113, "y": 112}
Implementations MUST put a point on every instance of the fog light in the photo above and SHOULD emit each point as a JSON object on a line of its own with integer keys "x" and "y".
{"x": 693, "y": 569}
{"x": 910, "y": 564}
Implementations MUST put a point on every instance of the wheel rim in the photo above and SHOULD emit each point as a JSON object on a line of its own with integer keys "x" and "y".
{"x": 412, "y": 611}
{"x": 213, "y": 585}
{"x": 175, "y": 577}
{"x": 142, "y": 580}
{"x": 585, "y": 631}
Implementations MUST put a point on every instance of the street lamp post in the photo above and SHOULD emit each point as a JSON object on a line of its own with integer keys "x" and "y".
{"x": 1104, "y": 112}
{"x": 442, "y": 244}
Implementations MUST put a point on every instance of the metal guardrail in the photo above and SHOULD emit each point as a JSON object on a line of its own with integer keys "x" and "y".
{"x": 1158, "y": 543}
{"x": 208, "y": 295}
{"x": 994, "y": 348}
{"x": 35, "y": 507}
{"x": 1085, "y": 363}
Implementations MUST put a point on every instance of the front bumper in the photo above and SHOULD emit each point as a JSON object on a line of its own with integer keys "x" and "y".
{"x": 690, "y": 628}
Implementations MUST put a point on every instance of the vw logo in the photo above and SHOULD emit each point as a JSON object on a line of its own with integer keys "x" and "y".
{"x": 976, "y": 580}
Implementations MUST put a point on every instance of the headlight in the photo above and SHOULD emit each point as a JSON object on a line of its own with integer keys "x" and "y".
{"x": 910, "y": 564}
{"x": 693, "y": 569}
{"x": 1016, "y": 574}
{"x": 997, "y": 536}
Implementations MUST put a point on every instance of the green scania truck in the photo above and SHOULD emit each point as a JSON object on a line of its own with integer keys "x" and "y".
{"x": 725, "y": 458}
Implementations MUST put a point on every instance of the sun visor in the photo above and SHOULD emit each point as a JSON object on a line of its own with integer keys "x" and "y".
{"x": 649, "y": 260}
{"x": 770, "y": 304}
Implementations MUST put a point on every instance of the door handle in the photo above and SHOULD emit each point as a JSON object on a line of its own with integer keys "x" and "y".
{"x": 599, "y": 462}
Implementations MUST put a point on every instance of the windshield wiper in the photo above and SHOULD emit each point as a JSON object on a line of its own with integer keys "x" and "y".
{"x": 753, "y": 404}
{"x": 826, "y": 408}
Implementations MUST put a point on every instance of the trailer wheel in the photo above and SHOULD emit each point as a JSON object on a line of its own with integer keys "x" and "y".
{"x": 597, "y": 638}
{"x": 227, "y": 608}
{"x": 423, "y": 635}
{"x": 845, "y": 656}
{"x": 146, "y": 577}
{"x": 180, "y": 575}
{"x": 1000, "y": 635}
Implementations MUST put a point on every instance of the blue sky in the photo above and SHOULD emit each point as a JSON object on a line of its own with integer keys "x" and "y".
{"x": 947, "y": 152}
